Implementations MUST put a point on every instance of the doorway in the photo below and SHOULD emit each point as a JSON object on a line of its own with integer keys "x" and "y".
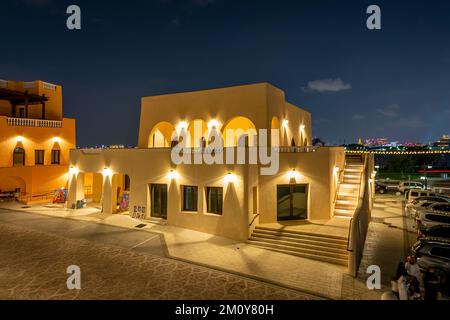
{"x": 158, "y": 194}
{"x": 292, "y": 202}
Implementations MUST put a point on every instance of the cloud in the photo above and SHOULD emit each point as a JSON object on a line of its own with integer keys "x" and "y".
{"x": 390, "y": 111}
{"x": 324, "y": 85}
{"x": 357, "y": 117}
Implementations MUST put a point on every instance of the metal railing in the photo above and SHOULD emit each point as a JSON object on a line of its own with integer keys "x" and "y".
{"x": 25, "y": 122}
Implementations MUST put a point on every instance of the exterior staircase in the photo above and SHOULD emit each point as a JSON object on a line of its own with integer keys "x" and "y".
{"x": 322, "y": 247}
{"x": 348, "y": 190}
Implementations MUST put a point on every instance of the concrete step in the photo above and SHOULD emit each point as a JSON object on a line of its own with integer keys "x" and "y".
{"x": 301, "y": 239}
{"x": 344, "y": 212}
{"x": 326, "y": 248}
{"x": 313, "y": 255}
{"x": 351, "y": 170}
{"x": 303, "y": 233}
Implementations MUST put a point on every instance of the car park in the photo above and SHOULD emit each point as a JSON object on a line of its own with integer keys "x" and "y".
{"x": 423, "y": 202}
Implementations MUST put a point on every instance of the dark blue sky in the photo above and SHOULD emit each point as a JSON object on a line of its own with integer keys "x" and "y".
{"x": 392, "y": 83}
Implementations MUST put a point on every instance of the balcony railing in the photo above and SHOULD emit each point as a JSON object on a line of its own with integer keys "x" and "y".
{"x": 34, "y": 122}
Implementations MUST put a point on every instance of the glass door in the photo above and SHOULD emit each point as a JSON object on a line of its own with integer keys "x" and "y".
{"x": 292, "y": 202}
{"x": 158, "y": 200}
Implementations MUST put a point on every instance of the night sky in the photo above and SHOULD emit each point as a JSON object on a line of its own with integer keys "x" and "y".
{"x": 392, "y": 83}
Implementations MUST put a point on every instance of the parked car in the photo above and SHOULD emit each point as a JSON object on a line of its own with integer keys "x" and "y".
{"x": 384, "y": 186}
{"x": 414, "y": 210}
{"x": 433, "y": 215}
{"x": 440, "y": 232}
{"x": 405, "y": 186}
{"x": 427, "y": 200}
{"x": 412, "y": 194}
{"x": 431, "y": 252}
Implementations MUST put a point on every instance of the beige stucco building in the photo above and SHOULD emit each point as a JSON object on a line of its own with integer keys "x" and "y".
{"x": 222, "y": 199}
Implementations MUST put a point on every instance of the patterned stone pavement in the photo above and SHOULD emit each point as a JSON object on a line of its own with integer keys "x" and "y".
{"x": 33, "y": 266}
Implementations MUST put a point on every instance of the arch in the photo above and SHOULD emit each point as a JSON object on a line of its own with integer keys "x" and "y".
{"x": 275, "y": 124}
{"x": 12, "y": 183}
{"x": 237, "y": 127}
{"x": 18, "y": 157}
{"x": 161, "y": 135}
{"x": 201, "y": 127}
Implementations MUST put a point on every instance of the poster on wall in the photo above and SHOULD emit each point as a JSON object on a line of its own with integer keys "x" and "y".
{"x": 60, "y": 196}
{"x": 124, "y": 202}
{"x": 138, "y": 212}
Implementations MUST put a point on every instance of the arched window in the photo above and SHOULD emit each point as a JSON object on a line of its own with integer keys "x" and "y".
{"x": 19, "y": 157}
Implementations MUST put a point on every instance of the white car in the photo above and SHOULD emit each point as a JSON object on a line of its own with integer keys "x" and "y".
{"x": 405, "y": 186}
{"x": 417, "y": 202}
{"x": 437, "y": 214}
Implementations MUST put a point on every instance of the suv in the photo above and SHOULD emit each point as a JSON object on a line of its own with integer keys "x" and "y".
{"x": 431, "y": 252}
{"x": 405, "y": 186}
{"x": 433, "y": 215}
{"x": 423, "y": 202}
{"x": 440, "y": 232}
{"x": 386, "y": 186}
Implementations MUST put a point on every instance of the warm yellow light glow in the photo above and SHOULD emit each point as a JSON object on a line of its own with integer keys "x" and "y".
{"x": 293, "y": 174}
{"x": 173, "y": 174}
{"x": 336, "y": 169}
{"x": 213, "y": 124}
{"x": 302, "y": 127}
{"x": 230, "y": 178}
{"x": 73, "y": 170}
{"x": 285, "y": 123}
{"x": 19, "y": 138}
{"x": 107, "y": 172}
{"x": 182, "y": 125}
{"x": 56, "y": 139}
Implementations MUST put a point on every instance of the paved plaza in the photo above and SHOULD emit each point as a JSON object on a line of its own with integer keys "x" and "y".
{"x": 109, "y": 241}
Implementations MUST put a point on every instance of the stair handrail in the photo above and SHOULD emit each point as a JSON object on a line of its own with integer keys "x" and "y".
{"x": 360, "y": 221}
{"x": 340, "y": 178}
{"x": 253, "y": 220}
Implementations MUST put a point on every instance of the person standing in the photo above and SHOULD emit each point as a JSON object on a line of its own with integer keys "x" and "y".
{"x": 431, "y": 284}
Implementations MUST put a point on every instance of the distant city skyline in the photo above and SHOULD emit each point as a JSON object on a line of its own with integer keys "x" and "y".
{"x": 355, "y": 82}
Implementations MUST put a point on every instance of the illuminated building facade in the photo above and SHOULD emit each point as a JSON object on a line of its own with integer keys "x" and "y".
{"x": 35, "y": 140}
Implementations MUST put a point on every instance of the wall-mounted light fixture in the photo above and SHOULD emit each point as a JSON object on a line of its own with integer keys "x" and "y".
{"x": 107, "y": 172}
{"x": 182, "y": 125}
{"x": 19, "y": 138}
{"x": 336, "y": 169}
{"x": 56, "y": 139}
{"x": 230, "y": 178}
{"x": 285, "y": 123}
{"x": 302, "y": 127}
{"x": 73, "y": 170}
{"x": 293, "y": 174}
{"x": 173, "y": 174}
{"x": 213, "y": 123}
